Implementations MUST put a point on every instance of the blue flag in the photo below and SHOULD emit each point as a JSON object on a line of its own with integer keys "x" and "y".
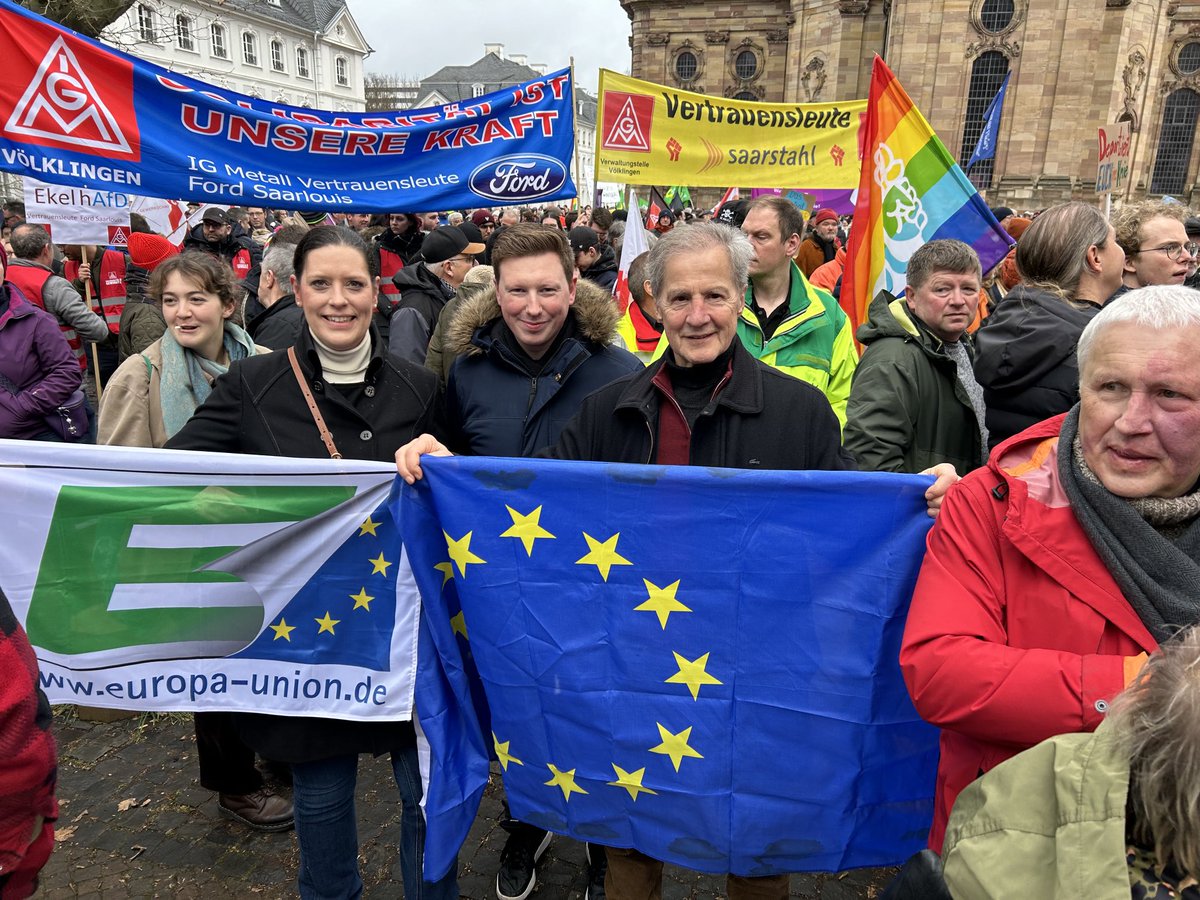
{"x": 986, "y": 147}
{"x": 698, "y": 663}
{"x": 76, "y": 112}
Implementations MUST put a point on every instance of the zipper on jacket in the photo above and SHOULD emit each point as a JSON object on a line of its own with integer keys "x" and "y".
{"x": 532, "y": 396}
{"x": 650, "y": 457}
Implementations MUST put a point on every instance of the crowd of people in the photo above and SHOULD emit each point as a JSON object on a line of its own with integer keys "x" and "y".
{"x": 1053, "y": 398}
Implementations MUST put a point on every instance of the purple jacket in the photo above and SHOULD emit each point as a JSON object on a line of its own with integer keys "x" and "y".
{"x": 35, "y": 357}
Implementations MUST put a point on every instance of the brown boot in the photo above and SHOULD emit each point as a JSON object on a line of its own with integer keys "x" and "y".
{"x": 264, "y": 810}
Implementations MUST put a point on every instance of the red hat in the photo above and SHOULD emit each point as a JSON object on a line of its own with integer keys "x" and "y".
{"x": 147, "y": 251}
{"x": 824, "y": 215}
{"x": 482, "y": 217}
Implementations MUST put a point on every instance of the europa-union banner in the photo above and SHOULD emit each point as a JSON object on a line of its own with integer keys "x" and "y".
{"x": 75, "y": 112}
{"x": 652, "y": 134}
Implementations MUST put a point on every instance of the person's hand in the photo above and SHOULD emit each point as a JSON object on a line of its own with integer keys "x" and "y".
{"x": 408, "y": 457}
{"x": 85, "y": 271}
{"x": 946, "y": 476}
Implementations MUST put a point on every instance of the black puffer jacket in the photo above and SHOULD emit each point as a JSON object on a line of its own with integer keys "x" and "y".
{"x": 1025, "y": 359}
{"x": 257, "y": 408}
{"x": 423, "y": 296}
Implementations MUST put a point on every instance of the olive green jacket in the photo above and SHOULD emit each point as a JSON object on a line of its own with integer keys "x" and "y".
{"x": 907, "y": 409}
{"x": 1048, "y": 823}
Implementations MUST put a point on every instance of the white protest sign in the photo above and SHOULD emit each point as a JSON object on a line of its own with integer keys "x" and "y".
{"x": 1112, "y": 167}
{"x": 78, "y": 215}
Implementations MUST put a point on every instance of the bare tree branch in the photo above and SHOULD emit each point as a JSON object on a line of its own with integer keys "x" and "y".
{"x": 88, "y": 17}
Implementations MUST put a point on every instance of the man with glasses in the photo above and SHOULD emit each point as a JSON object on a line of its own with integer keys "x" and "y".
{"x": 425, "y": 287}
{"x": 1156, "y": 244}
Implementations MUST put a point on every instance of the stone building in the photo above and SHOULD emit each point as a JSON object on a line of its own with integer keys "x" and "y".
{"x": 495, "y": 70}
{"x": 300, "y": 52}
{"x": 1075, "y": 67}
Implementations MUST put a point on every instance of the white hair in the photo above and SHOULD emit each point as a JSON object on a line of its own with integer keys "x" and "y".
{"x": 1160, "y": 307}
{"x": 701, "y": 238}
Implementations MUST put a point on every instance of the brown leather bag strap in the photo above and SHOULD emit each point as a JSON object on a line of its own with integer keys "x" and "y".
{"x": 326, "y": 436}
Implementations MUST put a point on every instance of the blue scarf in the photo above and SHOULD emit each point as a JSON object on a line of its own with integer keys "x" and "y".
{"x": 185, "y": 383}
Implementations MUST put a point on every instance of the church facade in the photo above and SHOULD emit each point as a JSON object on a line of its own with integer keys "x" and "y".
{"x": 1075, "y": 66}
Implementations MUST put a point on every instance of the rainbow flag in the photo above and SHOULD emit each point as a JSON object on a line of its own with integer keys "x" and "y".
{"x": 910, "y": 192}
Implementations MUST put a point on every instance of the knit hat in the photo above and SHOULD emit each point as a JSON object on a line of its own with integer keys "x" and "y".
{"x": 1001, "y": 213}
{"x": 1016, "y": 227}
{"x": 482, "y": 217}
{"x": 824, "y": 215}
{"x": 147, "y": 251}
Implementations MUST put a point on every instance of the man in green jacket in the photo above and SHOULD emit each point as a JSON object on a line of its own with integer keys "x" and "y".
{"x": 786, "y": 322}
{"x": 915, "y": 401}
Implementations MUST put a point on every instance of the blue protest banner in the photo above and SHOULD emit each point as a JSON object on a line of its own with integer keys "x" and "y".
{"x": 75, "y": 112}
{"x": 699, "y": 663}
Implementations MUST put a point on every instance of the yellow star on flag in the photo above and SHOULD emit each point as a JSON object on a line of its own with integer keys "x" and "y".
{"x": 283, "y": 630}
{"x": 564, "y": 780}
{"x": 460, "y": 552}
{"x": 631, "y": 781}
{"x": 447, "y": 570}
{"x": 458, "y": 624}
{"x": 661, "y": 601}
{"x": 527, "y": 528}
{"x": 379, "y": 565}
{"x": 602, "y": 555}
{"x": 362, "y": 600}
{"x": 675, "y": 745}
{"x": 692, "y": 674}
{"x": 502, "y": 753}
{"x": 368, "y": 527}
{"x": 326, "y": 623}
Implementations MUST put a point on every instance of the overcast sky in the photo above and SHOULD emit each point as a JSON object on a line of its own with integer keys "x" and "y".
{"x": 415, "y": 38}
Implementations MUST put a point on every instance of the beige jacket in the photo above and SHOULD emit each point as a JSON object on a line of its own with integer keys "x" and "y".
{"x": 131, "y": 408}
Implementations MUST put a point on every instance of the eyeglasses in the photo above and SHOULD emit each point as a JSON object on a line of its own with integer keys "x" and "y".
{"x": 469, "y": 259}
{"x": 1173, "y": 251}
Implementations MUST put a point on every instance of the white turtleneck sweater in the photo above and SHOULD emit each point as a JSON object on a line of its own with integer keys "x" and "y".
{"x": 344, "y": 366}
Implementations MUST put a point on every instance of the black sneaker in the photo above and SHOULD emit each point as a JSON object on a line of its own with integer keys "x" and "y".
{"x": 518, "y": 862}
{"x": 597, "y": 868}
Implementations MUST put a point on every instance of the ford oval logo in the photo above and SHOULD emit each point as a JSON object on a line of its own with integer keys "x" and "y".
{"x": 519, "y": 178}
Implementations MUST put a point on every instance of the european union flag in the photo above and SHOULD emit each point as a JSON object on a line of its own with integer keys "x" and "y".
{"x": 346, "y": 612}
{"x": 699, "y": 663}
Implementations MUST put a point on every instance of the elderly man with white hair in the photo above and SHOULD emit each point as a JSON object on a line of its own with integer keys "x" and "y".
{"x": 1054, "y": 570}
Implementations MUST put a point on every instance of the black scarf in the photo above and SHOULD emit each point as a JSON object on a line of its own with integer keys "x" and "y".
{"x": 1158, "y": 576}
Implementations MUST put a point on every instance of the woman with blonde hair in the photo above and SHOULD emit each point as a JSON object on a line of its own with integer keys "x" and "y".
{"x": 1070, "y": 264}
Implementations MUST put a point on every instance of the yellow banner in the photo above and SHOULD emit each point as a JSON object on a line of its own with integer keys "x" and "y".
{"x": 652, "y": 134}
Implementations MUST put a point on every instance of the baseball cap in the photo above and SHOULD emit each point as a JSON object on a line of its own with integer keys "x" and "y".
{"x": 471, "y": 230}
{"x": 482, "y": 217}
{"x": 446, "y": 242}
{"x": 217, "y": 216}
{"x": 582, "y": 238}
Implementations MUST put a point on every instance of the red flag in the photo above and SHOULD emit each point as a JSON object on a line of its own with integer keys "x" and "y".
{"x": 730, "y": 195}
{"x": 656, "y": 207}
{"x": 633, "y": 246}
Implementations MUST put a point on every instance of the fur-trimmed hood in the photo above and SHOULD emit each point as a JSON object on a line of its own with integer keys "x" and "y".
{"x": 595, "y": 311}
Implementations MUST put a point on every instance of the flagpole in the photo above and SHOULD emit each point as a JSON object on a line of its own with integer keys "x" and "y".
{"x": 575, "y": 129}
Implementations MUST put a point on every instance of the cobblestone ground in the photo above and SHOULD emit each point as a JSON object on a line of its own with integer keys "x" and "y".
{"x": 134, "y": 822}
